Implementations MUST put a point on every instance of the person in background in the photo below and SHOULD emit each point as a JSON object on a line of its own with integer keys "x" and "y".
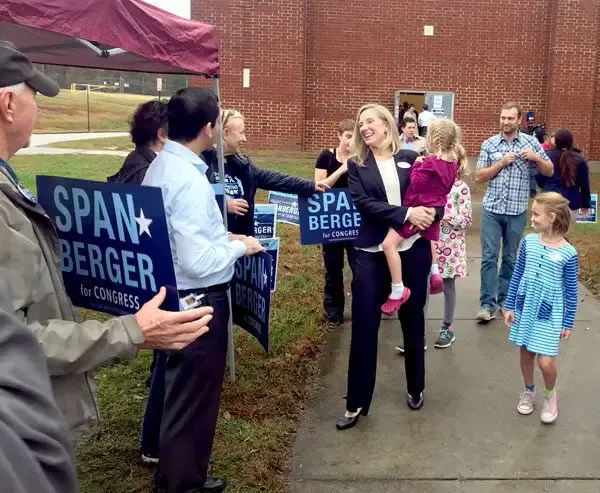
{"x": 332, "y": 169}
{"x": 409, "y": 138}
{"x": 29, "y": 264}
{"x": 148, "y": 133}
{"x": 505, "y": 162}
{"x": 542, "y": 299}
{"x": 36, "y": 454}
{"x": 205, "y": 260}
{"x": 571, "y": 177}
{"x": 549, "y": 142}
{"x": 424, "y": 119}
{"x": 243, "y": 177}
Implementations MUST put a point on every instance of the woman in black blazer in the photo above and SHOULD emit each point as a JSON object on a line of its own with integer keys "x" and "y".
{"x": 378, "y": 176}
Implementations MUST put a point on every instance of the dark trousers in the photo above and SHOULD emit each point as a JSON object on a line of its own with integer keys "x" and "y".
{"x": 193, "y": 379}
{"x": 370, "y": 288}
{"x": 333, "y": 259}
{"x": 154, "y": 407}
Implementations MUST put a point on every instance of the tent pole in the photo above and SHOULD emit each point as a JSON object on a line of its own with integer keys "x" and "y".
{"x": 221, "y": 158}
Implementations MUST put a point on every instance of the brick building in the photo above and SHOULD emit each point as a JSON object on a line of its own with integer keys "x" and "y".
{"x": 314, "y": 62}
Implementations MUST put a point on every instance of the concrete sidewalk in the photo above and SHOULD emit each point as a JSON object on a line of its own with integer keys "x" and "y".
{"x": 468, "y": 436}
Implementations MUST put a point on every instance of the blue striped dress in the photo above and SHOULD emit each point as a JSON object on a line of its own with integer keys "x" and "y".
{"x": 543, "y": 295}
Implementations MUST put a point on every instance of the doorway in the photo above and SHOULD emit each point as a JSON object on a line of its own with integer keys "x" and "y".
{"x": 441, "y": 104}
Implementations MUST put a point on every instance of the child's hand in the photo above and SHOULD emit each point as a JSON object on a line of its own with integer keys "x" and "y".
{"x": 420, "y": 159}
{"x": 565, "y": 334}
{"x": 509, "y": 318}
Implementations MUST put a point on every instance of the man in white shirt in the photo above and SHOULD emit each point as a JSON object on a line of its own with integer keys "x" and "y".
{"x": 425, "y": 118}
{"x": 204, "y": 255}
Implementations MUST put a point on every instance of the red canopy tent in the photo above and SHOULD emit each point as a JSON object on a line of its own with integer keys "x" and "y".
{"x": 127, "y": 35}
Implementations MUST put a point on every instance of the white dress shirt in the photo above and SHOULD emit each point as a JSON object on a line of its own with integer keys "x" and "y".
{"x": 202, "y": 254}
{"x": 391, "y": 183}
{"x": 425, "y": 118}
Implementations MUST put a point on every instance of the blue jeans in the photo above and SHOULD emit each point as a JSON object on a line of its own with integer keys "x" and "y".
{"x": 154, "y": 408}
{"x": 496, "y": 228}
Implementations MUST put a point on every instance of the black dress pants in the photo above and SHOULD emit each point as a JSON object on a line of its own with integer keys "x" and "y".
{"x": 370, "y": 288}
{"x": 333, "y": 295}
{"x": 193, "y": 381}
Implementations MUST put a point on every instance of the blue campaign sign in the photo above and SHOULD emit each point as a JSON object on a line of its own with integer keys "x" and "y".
{"x": 287, "y": 207}
{"x": 591, "y": 217}
{"x": 113, "y": 243}
{"x": 271, "y": 246}
{"x": 328, "y": 217}
{"x": 265, "y": 220}
{"x": 251, "y": 295}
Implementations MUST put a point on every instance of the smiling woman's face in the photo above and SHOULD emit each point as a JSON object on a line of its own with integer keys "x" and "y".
{"x": 372, "y": 128}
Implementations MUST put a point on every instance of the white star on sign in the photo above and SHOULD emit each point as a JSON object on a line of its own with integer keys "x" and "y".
{"x": 144, "y": 224}
{"x": 294, "y": 204}
{"x": 265, "y": 280}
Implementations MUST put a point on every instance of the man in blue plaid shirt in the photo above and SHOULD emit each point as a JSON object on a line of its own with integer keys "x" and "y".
{"x": 505, "y": 163}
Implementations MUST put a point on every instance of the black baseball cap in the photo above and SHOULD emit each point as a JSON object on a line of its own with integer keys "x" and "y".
{"x": 16, "y": 68}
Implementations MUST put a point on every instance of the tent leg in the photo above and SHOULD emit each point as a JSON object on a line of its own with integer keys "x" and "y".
{"x": 221, "y": 159}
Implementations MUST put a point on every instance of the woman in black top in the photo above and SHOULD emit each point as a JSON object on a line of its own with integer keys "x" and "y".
{"x": 332, "y": 167}
{"x": 148, "y": 133}
{"x": 571, "y": 176}
{"x": 243, "y": 177}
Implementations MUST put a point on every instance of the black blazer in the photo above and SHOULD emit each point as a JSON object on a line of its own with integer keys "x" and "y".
{"x": 377, "y": 216}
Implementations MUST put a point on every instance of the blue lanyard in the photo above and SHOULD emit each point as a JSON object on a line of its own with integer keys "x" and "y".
{"x": 11, "y": 172}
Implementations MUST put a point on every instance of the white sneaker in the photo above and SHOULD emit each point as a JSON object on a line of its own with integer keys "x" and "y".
{"x": 550, "y": 410}
{"x": 526, "y": 402}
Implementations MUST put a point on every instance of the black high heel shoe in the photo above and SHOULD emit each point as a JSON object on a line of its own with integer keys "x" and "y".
{"x": 345, "y": 423}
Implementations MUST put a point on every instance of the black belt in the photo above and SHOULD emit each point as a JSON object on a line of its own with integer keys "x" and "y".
{"x": 217, "y": 288}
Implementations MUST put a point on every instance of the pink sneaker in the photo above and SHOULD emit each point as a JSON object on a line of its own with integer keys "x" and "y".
{"x": 436, "y": 284}
{"x": 526, "y": 402}
{"x": 550, "y": 410}
{"x": 392, "y": 306}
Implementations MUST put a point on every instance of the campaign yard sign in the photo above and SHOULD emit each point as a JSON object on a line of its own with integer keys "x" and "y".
{"x": 113, "y": 243}
{"x": 251, "y": 295}
{"x": 592, "y": 216}
{"x": 265, "y": 220}
{"x": 328, "y": 217}
{"x": 287, "y": 207}
{"x": 271, "y": 246}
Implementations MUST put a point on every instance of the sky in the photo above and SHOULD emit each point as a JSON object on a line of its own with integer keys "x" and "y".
{"x": 178, "y": 7}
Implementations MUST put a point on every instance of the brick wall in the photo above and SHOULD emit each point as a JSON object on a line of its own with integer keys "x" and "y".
{"x": 315, "y": 62}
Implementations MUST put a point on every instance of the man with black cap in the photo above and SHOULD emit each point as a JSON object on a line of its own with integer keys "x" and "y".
{"x": 29, "y": 265}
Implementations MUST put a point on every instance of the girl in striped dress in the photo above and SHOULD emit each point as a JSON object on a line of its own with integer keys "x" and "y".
{"x": 542, "y": 299}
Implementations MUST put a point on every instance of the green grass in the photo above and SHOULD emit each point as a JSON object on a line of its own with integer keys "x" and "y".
{"x": 259, "y": 412}
{"x": 67, "y": 112}
{"x": 102, "y": 144}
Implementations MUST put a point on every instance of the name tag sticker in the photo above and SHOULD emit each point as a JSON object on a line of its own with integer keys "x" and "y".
{"x": 497, "y": 156}
{"x": 403, "y": 164}
{"x": 555, "y": 257}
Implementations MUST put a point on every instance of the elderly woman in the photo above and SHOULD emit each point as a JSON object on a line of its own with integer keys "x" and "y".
{"x": 243, "y": 177}
{"x": 378, "y": 176}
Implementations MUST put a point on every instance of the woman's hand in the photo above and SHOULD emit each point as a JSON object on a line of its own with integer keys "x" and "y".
{"x": 585, "y": 212}
{"x": 565, "y": 334}
{"x": 239, "y": 207}
{"x": 321, "y": 186}
{"x": 421, "y": 217}
{"x": 509, "y": 318}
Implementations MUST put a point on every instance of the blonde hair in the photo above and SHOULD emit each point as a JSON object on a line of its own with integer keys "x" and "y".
{"x": 555, "y": 203}
{"x": 227, "y": 115}
{"x": 444, "y": 139}
{"x": 359, "y": 150}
